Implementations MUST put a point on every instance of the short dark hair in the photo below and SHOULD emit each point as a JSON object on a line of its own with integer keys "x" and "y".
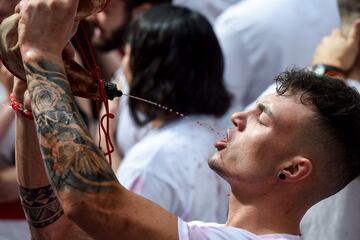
{"x": 176, "y": 61}
{"x": 338, "y": 108}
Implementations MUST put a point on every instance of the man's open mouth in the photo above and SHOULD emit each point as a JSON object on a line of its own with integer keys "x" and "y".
{"x": 221, "y": 144}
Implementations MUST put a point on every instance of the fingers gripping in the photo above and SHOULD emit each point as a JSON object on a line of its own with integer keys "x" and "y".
{"x": 46, "y": 25}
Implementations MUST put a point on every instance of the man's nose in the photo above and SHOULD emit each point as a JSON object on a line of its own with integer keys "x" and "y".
{"x": 239, "y": 120}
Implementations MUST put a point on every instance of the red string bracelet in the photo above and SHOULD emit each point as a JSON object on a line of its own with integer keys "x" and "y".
{"x": 19, "y": 108}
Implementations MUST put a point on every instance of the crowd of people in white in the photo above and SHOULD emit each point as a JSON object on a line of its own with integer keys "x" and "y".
{"x": 230, "y": 51}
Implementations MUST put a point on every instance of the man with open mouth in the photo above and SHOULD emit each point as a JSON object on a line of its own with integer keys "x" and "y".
{"x": 290, "y": 151}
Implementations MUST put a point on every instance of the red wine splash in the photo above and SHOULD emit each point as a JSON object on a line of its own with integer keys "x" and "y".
{"x": 171, "y": 110}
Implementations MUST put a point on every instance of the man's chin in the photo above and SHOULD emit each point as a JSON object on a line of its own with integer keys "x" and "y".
{"x": 214, "y": 163}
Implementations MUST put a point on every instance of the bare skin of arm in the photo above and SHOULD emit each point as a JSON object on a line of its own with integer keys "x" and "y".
{"x": 8, "y": 185}
{"x": 84, "y": 182}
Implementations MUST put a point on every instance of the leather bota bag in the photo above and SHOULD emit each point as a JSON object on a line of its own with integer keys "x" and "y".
{"x": 82, "y": 82}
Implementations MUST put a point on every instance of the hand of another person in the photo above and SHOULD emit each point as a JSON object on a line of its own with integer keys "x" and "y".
{"x": 46, "y": 26}
{"x": 339, "y": 49}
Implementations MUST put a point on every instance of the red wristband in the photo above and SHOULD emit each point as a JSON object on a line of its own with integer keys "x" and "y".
{"x": 19, "y": 108}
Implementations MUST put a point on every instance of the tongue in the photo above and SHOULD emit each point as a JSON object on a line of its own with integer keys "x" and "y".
{"x": 221, "y": 144}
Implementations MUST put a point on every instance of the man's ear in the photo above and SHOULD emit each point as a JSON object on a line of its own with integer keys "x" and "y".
{"x": 141, "y": 8}
{"x": 296, "y": 169}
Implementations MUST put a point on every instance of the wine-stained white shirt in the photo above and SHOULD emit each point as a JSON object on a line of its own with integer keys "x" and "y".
{"x": 170, "y": 167}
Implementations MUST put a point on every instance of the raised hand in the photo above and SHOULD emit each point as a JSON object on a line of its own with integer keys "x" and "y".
{"x": 46, "y": 26}
{"x": 339, "y": 49}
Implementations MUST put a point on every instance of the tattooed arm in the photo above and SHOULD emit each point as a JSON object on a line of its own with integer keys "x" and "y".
{"x": 41, "y": 206}
{"x": 86, "y": 186}
{"x": 85, "y": 183}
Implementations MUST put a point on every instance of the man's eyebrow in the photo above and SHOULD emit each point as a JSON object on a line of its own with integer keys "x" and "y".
{"x": 265, "y": 109}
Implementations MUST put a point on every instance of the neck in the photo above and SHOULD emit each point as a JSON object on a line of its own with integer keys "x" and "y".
{"x": 265, "y": 216}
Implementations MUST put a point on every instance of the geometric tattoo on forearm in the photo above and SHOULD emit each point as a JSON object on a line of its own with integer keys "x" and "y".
{"x": 41, "y": 206}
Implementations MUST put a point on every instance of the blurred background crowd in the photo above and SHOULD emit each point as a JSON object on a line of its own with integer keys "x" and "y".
{"x": 202, "y": 58}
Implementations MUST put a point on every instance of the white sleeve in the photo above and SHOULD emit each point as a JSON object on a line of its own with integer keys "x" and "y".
{"x": 271, "y": 89}
{"x": 231, "y": 34}
{"x": 353, "y": 83}
{"x": 197, "y": 230}
{"x": 153, "y": 188}
{"x": 193, "y": 232}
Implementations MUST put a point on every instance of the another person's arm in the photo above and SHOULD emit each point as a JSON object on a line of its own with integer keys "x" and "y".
{"x": 341, "y": 50}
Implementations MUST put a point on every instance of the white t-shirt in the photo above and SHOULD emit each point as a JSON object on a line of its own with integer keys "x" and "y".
{"x": 170, "y": 167}
{"x": 213, "y": 231}
{"x": 14, "y": 230}
{"x": 354, "y": 83}
{"x": 335, "y": 218}
{"x": 209, "y": 8}
{"x": 127, "y": 132}
{"x": 261, "y": 38}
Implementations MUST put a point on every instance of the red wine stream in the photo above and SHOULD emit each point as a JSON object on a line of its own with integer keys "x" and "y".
{"x": 171, "y": 110}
